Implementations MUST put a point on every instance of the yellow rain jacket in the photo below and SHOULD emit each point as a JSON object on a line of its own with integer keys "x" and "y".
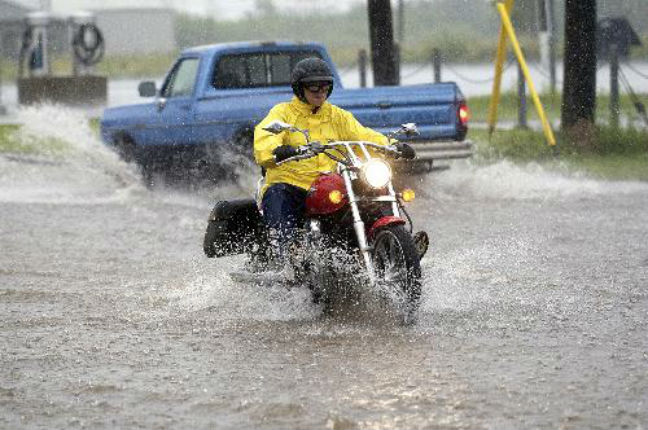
{"x": 328, "y": 123}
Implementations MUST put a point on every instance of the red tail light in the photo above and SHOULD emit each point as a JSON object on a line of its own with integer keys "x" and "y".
{"x": 464, "y": 114}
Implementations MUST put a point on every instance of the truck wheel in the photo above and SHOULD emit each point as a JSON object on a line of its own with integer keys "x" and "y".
{"x": 398, "y": 270}
{"x": 125, "y": 148}
{"x": 243, "y": 150}
{"x": 243, "y": 144}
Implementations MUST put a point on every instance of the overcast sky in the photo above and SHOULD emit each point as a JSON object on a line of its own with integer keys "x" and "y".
{"x": 220, "y": 9}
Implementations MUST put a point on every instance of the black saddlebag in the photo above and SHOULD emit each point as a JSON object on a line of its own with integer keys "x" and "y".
{"x": 233, "y": 227}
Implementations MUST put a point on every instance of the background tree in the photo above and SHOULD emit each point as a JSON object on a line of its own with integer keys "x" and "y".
{"x": 381, "y": 37}
{"x": 265, "y": 8}
{"x": 579, "y": 83}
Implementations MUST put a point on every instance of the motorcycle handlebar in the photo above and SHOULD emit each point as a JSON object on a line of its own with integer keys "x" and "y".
{"x": 315, "y": 148}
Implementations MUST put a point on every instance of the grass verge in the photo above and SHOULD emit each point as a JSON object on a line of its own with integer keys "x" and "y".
{"x": 11, "y": 141}
{"x": 614, "y": 154}
{"x": 508, "y": 107}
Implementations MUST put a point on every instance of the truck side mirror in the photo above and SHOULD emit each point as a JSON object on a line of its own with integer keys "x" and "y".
{"x": 147, "y": 89}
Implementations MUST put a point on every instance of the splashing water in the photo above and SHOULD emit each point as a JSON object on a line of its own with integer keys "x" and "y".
{"x": 211, "y": 288}
{"x": 505, "y": 180}
{"x": 66, "y": 162}
{"x": 494, "y": 264}
{"x": 78, "y": 168}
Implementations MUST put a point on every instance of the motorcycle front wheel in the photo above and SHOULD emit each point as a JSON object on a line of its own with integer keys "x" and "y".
{"x": 398, "y": 270}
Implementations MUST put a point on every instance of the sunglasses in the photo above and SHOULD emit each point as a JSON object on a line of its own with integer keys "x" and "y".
{"x": 315, "y": 87}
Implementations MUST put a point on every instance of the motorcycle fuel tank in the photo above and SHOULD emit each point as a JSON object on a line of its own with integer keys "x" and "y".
{"x": 327, "y": 194}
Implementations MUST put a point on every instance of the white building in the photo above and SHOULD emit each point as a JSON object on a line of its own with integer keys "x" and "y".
{"x": 11, "y": 28}
{"x": 137, "y": 31}
{"x": 142, "y": 27}
{"x": 218, "y": 9}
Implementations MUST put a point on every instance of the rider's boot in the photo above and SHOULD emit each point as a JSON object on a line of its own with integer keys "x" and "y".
{"x": 275, "y": 263}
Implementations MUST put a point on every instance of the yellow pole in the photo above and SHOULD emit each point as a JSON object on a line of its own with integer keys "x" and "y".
{"x": 506, "y": 21}
{"x": 499, "y": 70}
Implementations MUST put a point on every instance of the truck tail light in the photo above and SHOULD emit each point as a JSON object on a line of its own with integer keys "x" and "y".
{"x": 463, "y": 113}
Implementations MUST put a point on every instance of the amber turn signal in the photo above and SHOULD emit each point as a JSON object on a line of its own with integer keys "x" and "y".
{"x": 408, "y": 195}
{"x": 336, "y": 197}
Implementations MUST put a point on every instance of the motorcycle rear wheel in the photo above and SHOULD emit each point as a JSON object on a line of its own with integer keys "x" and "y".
{"x": 398, "y": 270}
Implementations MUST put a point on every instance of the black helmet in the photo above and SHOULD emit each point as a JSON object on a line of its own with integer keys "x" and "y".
{"x": 310, "y": 70}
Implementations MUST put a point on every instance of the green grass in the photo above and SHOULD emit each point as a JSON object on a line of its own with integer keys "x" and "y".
{"x": 523, "y": 145}
{"x": 8, "y": 142}
{"x": 115, "y": 66}
{"x": 508, "y": 107}
{"x": 11, "y": 141}
{"x": 135, "y": 66}
{"x": 615, "y": 154}
{"x": 95, "y": 124}
{"x": 615, "y": 167}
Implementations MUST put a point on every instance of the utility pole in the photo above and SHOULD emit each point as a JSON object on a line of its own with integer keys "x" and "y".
{"x": 362, "y": 67}
{"x": 614, "y": 85}
{"x": 401, "y": 22}
{"x": 547, "y": 31}
{"x": 436, "y": 64}
{"x": 551, "y": 25}
{"x": 522, "y": 101}
{"x": 3, "y": 109}
{"x": 579, "y": 83}
{"x": 381, "y": 36}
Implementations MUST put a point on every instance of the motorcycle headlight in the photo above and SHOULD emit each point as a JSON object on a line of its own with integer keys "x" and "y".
{"x": 376, "y": 173}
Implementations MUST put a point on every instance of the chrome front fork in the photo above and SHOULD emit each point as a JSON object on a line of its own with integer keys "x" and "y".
{"x": 359, "y": 227}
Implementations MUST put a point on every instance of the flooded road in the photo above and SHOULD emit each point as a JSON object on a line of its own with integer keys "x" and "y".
{"x": 534, "y": 315}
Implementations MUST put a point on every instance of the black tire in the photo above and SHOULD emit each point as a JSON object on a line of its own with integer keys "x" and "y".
{"x": 321, "y": 283}
{"x": 398, "y": 269}
{"x": 313, "y": 269}
{"x": 125, "y": 148}
{"x": 242, "y": 153}
{"x": 244, "y": 144}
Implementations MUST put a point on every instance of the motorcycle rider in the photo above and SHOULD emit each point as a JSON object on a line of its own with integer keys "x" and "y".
{"x": 286, "y": 185}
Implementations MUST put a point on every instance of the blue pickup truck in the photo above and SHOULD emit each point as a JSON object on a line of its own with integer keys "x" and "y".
{"x": 214, "y": 95}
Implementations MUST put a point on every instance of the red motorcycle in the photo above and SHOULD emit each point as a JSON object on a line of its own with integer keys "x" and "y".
{"x": 356, "y": 227}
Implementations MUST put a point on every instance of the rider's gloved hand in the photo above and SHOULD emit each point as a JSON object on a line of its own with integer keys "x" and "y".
{"x": 405, "y": 150}
{"x": 283, "y": 152}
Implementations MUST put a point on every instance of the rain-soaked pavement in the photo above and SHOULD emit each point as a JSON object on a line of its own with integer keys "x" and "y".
{"x": 534, "y": 315}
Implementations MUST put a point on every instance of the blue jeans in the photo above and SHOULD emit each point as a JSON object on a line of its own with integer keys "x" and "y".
{"x": 283, "y": 208}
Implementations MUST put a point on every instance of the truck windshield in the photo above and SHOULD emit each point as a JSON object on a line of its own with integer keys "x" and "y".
{"x": 182, "y": 79}
{"x": 257, "y": 70}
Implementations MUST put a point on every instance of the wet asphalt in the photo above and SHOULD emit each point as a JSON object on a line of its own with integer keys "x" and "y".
{"x": 534, "y": 314}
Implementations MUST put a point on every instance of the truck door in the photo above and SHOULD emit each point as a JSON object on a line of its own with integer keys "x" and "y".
{"x": 175, "y": 105}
